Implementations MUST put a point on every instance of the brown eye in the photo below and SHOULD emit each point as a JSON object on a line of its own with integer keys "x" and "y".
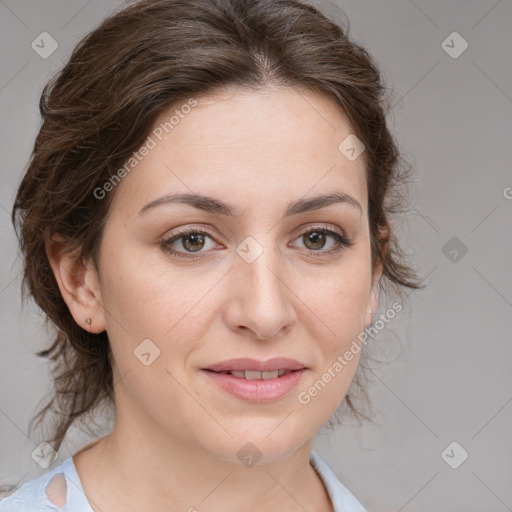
{"x": 194, "y": 242}
{"x": 191, "y": 241}
{"x": 314, "y": 240}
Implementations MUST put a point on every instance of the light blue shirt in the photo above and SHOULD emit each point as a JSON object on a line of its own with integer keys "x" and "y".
{"x": 31, "y": 496}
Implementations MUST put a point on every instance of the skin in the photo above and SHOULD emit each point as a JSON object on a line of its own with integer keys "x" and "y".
{"x": 176, "y": 434}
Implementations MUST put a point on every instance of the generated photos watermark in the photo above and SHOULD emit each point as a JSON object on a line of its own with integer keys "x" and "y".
{"x": 304, "y": 397}
{"x": 151, "y": 142}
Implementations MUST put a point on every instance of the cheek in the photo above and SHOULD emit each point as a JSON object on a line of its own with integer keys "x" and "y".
{"x": 149, "y": 300}
{"x": 340, "y": 303}
{"x": 146, "y": 294}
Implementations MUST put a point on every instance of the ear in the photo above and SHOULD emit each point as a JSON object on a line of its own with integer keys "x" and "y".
{"x": 79, "y": 284}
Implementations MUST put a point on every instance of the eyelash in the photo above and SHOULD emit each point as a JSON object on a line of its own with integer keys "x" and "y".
{"x": 341, "y": 241}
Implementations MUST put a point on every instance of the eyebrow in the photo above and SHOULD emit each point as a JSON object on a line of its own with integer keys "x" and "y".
{"x": 216, "y": 206}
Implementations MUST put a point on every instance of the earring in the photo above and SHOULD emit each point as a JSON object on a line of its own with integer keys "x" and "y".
{"x": 88, "y": 321}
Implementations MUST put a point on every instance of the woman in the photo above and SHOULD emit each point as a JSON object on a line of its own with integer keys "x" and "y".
{"x": 205, "y": 220}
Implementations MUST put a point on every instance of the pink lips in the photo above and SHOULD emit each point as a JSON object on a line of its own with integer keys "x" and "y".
{"x": 258, "y": 390}
{"x": 278, "y": 363}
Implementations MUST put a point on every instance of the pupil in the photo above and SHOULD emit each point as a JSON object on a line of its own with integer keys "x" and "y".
{"x": 196, "y": 239}
{"x": 316, "y": 238}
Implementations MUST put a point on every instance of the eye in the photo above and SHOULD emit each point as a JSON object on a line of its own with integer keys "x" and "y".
{"x": 191, "y": 241}
{"x": 316, "y": 238}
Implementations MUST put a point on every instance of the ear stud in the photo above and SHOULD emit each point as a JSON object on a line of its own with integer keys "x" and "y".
{"x": 88, "y": 321}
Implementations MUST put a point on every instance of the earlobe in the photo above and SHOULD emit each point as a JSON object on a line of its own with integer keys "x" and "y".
{"x": 78, "y": 284}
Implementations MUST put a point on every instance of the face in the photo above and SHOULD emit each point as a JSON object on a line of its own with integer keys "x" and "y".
{"x": 271, "y": 280}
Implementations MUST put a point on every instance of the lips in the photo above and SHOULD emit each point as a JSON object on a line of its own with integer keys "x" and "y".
{"x": 256, "y": 390}
{"x": 255, "y": 375}
{"x": 251, "y": 367}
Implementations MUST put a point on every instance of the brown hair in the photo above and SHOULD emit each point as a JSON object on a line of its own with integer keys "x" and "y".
{"x": 101, "y": 106}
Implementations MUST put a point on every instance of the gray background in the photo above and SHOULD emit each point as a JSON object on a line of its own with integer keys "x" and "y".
{"x": 452, "y": 379}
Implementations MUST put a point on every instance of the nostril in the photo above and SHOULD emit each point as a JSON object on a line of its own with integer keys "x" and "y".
{"x": 56, "y": 490}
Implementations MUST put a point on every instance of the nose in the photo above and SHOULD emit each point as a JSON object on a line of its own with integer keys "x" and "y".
{"x": 260, "y": 298}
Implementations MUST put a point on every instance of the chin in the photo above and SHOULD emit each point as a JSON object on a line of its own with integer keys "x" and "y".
{"x": 263, "y": 444}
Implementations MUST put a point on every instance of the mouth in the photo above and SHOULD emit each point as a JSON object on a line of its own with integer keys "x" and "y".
{"x": 254, "y": 380}
{"x": 252, "y": 369}
{"x": 269, "y": 383}
{"x": 254, "y": 374}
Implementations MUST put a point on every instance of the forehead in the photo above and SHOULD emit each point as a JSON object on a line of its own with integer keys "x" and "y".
{"x": 239, "y": 142}
{"x": 267, "y": 117}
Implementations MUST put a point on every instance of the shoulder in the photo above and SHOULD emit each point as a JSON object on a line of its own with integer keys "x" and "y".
{"x": 32, "y": 495}
{"x": 341, "y": 497}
